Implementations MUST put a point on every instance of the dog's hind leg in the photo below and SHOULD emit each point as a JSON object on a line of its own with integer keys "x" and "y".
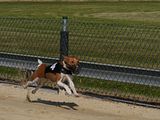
{"x": 37, "y": 88}
{"x": 41, "y": 82}
{"x": 31, "y": 82}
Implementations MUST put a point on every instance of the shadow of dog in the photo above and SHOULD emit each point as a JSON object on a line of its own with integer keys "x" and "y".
{"x": 65, "y": 105}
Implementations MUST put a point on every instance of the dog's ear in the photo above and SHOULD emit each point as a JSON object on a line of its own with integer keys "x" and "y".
{"x": 75, "y": 57}
{"x": 65, "y": 57}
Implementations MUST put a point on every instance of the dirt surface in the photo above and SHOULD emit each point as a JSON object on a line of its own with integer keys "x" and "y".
{"x": 47, "y": 105}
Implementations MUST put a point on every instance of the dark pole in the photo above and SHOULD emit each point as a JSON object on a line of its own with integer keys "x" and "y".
{"x": 64, "y": 38}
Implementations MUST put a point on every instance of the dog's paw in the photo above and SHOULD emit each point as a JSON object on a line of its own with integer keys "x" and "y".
{"x": 77, "y": 95}
{"x": 24, "y": 86}
{"x": 67, "y": 94}
{"x": 33, "y": 91}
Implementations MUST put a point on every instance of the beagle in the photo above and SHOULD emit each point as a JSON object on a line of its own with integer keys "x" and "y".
{"x": 56, "y": 73}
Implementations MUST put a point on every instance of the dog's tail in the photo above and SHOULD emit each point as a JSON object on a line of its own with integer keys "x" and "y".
{"x": 39, "y": 62}
{"x": 40, "y": 71}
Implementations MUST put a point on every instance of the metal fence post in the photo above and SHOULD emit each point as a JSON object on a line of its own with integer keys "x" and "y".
{"x": 64, "y": 38}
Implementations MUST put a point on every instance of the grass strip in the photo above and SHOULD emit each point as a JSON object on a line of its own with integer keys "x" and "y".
{"x": 119, "y": 88}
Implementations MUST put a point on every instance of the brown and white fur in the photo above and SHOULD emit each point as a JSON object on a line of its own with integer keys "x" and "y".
{"x": 39, "y": 76}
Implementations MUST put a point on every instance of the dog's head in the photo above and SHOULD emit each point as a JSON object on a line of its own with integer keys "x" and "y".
{"x": 72, "y": 63}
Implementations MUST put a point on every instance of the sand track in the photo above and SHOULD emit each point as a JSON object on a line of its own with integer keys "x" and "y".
{"x": 46, "y": 105}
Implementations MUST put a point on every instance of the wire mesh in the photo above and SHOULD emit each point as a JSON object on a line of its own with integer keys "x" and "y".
{"x": 126, "y": 57}
{"x": 135, "y": 48}
{"x": 118, "y": 44}
{"x": 37, "y": 37}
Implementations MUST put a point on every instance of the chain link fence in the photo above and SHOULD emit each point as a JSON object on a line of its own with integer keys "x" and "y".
{"x": 122, "y": 45}
{"x": 119, "y": 60}
{"x": 37, "y": 37}
{"x": 26, "y": 37}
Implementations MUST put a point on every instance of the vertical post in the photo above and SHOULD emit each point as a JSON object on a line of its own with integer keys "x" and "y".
{"x": 64, "y": 38}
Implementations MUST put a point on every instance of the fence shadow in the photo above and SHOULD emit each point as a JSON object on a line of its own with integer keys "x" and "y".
{"x": 65, "y": 105}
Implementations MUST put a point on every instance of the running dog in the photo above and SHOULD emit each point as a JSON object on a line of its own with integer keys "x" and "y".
{"x": 57, "y": 73}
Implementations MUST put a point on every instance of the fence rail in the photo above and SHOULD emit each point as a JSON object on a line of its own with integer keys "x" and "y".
{"x": 91, "y": 70}
{"x": 108, "y": 51}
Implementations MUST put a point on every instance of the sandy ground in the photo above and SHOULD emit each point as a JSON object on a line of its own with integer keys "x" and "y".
{"x": 47, "y": 105}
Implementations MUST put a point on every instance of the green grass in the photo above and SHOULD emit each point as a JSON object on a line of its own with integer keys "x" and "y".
{"x": 10, "y": 73}
{"x": 29, "y": 36}
{"x": 124, "y": 11}
{"x": 118, "y": 88}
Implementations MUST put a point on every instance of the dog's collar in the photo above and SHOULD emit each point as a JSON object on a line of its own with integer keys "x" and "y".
{"x": 66, "y": 71}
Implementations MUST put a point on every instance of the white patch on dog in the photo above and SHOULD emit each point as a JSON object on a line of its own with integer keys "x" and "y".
{"x": 64, "y": 65}
{"x": 53, "y": 66}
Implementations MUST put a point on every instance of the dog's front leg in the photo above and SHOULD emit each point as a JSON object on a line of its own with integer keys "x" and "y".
{"x": 65, "y": 87}
{"x": 71, "y": 85}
